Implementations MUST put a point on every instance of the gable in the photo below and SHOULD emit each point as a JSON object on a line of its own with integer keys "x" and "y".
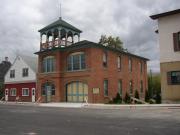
{"x": 18, "y": 66}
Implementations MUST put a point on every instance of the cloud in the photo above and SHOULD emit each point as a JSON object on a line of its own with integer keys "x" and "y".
{"x": 128, "y": 19}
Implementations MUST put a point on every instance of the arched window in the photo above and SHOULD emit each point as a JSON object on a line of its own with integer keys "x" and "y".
{"x": 44, "y": 88}
{"x": 76, "y": 61}
{"x": 49, "y": 64}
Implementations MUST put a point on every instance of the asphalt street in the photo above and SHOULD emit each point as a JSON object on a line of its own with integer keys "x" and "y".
{"x": 34, "y": 120}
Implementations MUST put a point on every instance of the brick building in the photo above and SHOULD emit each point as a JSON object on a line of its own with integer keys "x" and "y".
{"x": 70, "y": 70}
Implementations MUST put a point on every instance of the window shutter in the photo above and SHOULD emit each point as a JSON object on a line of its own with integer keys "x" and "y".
{"x": 175, "y": 40}
{"x": 169, "y": 78}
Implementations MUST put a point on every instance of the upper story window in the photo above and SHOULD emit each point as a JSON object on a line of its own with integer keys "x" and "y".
{"x": 76, "y": 61}
{"x": 25, "y": 72}
{"x": 105, "y": 59}
{"x": 141, "y": 66}
{"x": 119, "y": 62}
{"x": 130, "y": 64}
{"x": 173, "y": 78}
{"x": 12, "y": 73}
{"x": 49, "y": 64}
{"x": 176, "y": 39}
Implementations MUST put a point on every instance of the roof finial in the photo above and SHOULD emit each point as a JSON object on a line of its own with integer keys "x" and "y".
{"x": 60, "y": 12}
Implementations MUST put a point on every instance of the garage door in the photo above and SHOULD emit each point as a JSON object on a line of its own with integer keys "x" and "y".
{"x": 77, "y": 92}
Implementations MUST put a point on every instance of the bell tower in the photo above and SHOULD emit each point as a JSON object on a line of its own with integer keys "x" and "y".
{"x": 58, "y": 34}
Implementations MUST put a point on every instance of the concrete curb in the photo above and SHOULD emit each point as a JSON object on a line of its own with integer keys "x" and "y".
{"x": 94, "y": 106}
{"x": 138, "y": 106}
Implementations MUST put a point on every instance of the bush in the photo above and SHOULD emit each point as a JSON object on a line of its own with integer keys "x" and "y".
{"x": 136, "y": 95}
{"x": 127, "y": 98}
{"x": 117, "y": 99}
{"x": 152, "y": 101}
{"x": 1, "y": 90}
{"x": 158, "y": 98}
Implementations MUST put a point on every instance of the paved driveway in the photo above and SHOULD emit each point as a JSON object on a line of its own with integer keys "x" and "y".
{"x": 32, "y": 120}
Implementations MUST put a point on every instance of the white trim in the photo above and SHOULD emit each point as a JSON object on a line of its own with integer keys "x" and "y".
{"x": 15, "y": 82}
{"x": 76, "y": 53}
{"x": 23, "y": 93}
{"x": 33, "y": 97}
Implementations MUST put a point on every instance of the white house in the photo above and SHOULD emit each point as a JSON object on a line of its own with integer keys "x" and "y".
{"x": 20, "y": 80}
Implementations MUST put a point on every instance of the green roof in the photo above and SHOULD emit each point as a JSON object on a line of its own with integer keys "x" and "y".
{"x": 62, "y": 23}
{"x": 89, "y": 44}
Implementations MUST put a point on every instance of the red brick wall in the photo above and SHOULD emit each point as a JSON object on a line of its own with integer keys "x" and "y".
{"x": 19, "y": 87}
{"x": 94, "y": 74}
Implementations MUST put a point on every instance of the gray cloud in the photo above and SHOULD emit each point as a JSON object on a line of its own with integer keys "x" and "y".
{"x": 128, "y": 19}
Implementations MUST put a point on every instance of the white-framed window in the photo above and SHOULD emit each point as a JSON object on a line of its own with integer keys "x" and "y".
{"x": 12, "y": 73}
{"x": 13, "y": 92}
{"x": 25, "y": 72}
{"x": 25, "y": 91}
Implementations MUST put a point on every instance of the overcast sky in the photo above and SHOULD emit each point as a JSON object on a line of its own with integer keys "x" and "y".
{"x": 129, "y": 19}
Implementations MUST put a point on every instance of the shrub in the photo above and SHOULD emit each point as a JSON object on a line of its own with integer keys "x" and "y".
{"x": 1, "y": 90}
{"x": 147, "y": 96}
{"x": 127, "y": 98}
{"x": 152, "y": 101}
{"x": 136, "y": 95}
{"x": 117, "y": 99}
{"x": 158, "y": 98}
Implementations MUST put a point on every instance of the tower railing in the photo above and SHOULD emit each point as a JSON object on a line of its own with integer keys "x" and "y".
{"x": 54, "y": 44}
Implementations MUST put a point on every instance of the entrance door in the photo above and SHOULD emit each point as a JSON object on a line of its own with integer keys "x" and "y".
{"x": 77, "y": 92}
{"x": 33, "y": 95}
{"x": 48, "y": 93}
{"x": 6, "y": 95}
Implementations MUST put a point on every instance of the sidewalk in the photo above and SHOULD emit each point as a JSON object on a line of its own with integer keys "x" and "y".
{"x": 95, "y": 106}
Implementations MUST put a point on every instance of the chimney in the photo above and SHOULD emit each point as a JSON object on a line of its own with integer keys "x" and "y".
{"x": 6, "y": 59}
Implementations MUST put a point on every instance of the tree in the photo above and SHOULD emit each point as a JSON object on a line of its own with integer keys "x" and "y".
{"x": 1, "y": 90}
{"x": 147, "y": 96}
{"x": 158, "y": 98}
{"x": 154, "y": 87}
{"x": 110, "y": 41}
{"x": 136, "y": 95}
{"x": 127, "y": 98}
{"x": 117, "y": 99}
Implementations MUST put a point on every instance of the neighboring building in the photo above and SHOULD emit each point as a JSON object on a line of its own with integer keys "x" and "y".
{"x": 70, "y": 71}
{"x": 20, "y": 80}
{"x": 169, "y": 42}
{"x": 4, "y": 67}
